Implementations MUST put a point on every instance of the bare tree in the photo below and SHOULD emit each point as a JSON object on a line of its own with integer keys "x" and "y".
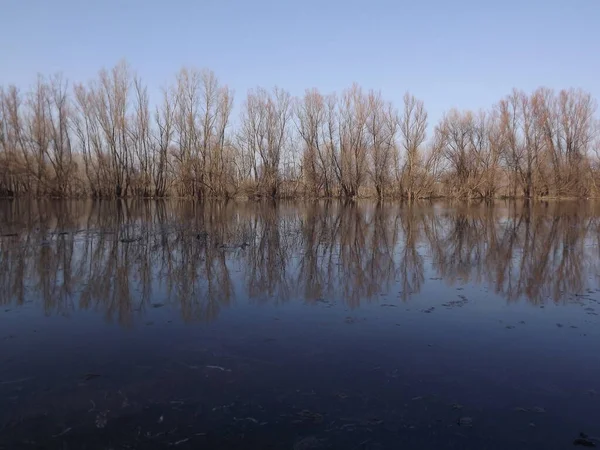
{"x": 91, "y": 143}
{"x": 568, "y": 126}
{"x": 141, "y": 141}
{"x": 522, "y": 140}
{"x": 350, "y": 160}
{"x": 454, "y": 134}
{"x": 311, "y": 115}
{"x": 111, "y": 105}
{"x": 265, "y": 132}
{"x": 35, "y": 142}
{"x": 413, "y": 127}
{"x": 15, "y": 174}
{"x": 59, "y": 151}
{"x": 382, "y": 124}
{"x": 486, "y": 141}
{"x": 188, "y": 133}
{"x": 471, "y": 145}
{"x": 102, "y": 139}
{"x": 222, "y": 167}
{"x": 165, "y": 131}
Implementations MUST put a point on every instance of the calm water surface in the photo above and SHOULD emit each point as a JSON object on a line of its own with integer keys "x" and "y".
{"x": 132, "y": 324}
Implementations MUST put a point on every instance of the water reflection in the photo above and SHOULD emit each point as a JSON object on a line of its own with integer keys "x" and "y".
{"x": 122, "y": 258}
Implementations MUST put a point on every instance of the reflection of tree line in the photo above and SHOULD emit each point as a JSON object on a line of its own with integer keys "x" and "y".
{"x": 125, "y": 257}
{"x": 519, "y": 251}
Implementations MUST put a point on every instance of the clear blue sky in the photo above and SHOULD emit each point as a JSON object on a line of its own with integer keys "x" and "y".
{"x": 461, "y": 53}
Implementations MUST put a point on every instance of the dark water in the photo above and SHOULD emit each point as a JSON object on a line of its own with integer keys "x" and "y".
{"x": 128, "y": 325}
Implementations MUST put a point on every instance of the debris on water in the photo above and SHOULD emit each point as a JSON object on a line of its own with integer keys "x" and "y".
{"x": 520, "y": 409}
{"x": 125, "y": 402}
{"x": 308, "y": 443}
{"x": 10, "y": 235}
{"x": 231, "y": 247}
{"x": 129, "y": 240}
{"x": 417, "y": 398}
{"x": 222, "y": 369}
{"x": 522, "y": 322}
{"x": 374, "y": 421}
{"x": 20, "y": 380}
{"x": 350, "y": 319}
{"x": 457, "y": 303}
{"x": 363, "y": 445}
{"x": 161, "y": 419}
{"x": 582, "y": 435}
{"x": 158, "y": 305}
{"x": 465, "y": 422}
{"x": 392, "y": 374}
{"x": 584, "y": 442}
{"x": 222, "y": 407}
{"x": 388, "y": 305}
{"x": 101, "y": 420}
{"x": 62, "y": 433}
{"x": 457, "y": 406}
{"x": 246, "y": 419}
{"x": 90, "y": 376}
{"x": 181, "y": 441}
{"x": 189, "y": 366}
{"x": 429, "y": 310}
{"x": 592, "y": 392}
{"x": 532, "y": 425}
{"x": 559, "y": 325}
{"x": 311, "y": 416}
{"x": 538, "y": 409}
{"x": 509, "y": 327}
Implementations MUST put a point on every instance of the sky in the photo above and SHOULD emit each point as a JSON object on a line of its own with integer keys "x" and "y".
{"x": 462, "y": 54}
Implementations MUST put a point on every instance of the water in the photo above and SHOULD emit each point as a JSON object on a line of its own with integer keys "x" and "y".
{"x": 299, "y": 326}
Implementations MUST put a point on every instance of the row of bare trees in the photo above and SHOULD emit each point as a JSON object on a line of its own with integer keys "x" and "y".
{"x": 104, "y": 139}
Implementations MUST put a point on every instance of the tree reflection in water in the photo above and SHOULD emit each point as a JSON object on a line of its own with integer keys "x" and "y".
{"x": 121, "y": 258}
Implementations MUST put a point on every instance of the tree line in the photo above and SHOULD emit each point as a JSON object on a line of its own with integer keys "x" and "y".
{"x": 104, "y": 139}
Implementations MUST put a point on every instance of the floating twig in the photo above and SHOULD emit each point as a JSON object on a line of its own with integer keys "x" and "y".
{"x": 20, "y": 380}
{"x": 222, "y": 369}
{"x": 62, "y": 433}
